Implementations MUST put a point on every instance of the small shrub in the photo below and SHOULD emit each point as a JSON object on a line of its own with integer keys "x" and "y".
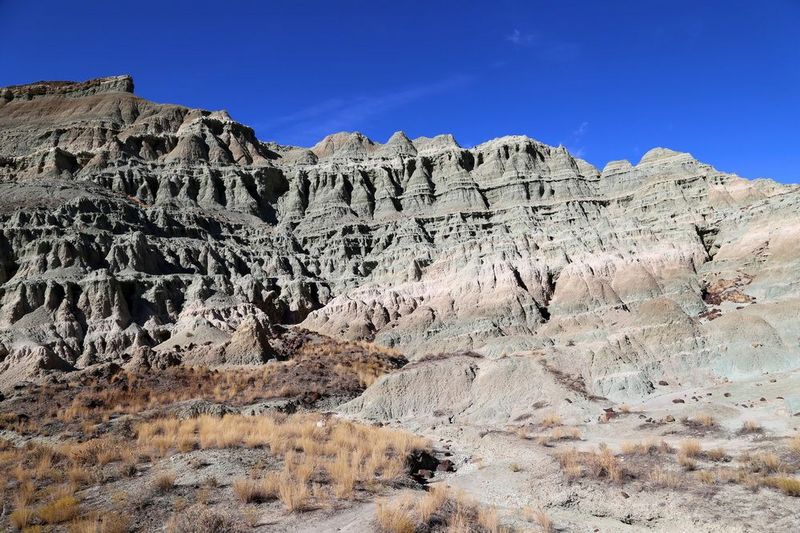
{"x": 539, "y": 517}
{"x": 551, "y": 420}
{"x": 200, "y": 519}
{"x": 293, "y": 494}
{"x": 648, "y": 447}
{"x": 165, "y": 481}
{"x": 686, "y": 462}
{"x": 750, "y": 426}
{"x": 105, "y": 523}
{"x": 765, "y": 462}
{"x": 60, "y": 510}
{"x": 788, "y": 485}
{"x": 604, "y": 465}
{"x": 716, "y": 454}
{"x": 707, "y": 477}
{"x": 794, "y": 445}
{"x": 250, "y": 491}
{"x": 664, "y": 479}
{"x": 22, "y": 517}
{"x": 690, "y": 448}
{"x": 395, "y": 517}
{"x": 706, "y": 420}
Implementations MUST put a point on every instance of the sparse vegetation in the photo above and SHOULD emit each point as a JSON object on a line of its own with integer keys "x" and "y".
{"x": 788, "y": 485}
{"x": 200, "y": 519}
{"x": 60, "y": 510}
{"x": 540, "y": 518}
{"x": 165, "y": 481}
{"x": 600, "y": 464}
{"x": 665, "y": 479}
{"x": 410, "y": 513}
{"x": 690, "y": 448}
{"x": 647, "y": 447}
{"x": 551, "y": 420}
{"x": 750, "y": 426}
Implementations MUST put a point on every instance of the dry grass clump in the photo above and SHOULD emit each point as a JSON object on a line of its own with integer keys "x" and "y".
{"x": 604, "y": 465}
{"x": 600, "y": 464}
{"x": 255, "y": 491}
{"x": 705, "y": 420}
{"x": 569, "y": 461}
{"x": 345, "y": 456}
{"x": 690, "y": 448}
{"x": 765, "y": 463}
{"x": 716, "y": 454}
{"x": 293, "y": 494}
{"x": 22, "y": 517}
{"x": 200, "y": 519}
{"x": 707, "y": 477}
{"x": 750, "y": 426}
{"x": 794, "y": 445}
{"x": 687, "y": 462}
{"x": 106, "y": 522}
{"x": 645, "y": 447}
{"x": 440, "y": 509}
{"x": 60, "y": 510}
{"x": 396, "y": 516}
{"x": 558, "y": 434}
{"x": 564, "y": 433}
{"x": 788, "y": 485}
{"x": 540, "y": 518}
{"x": 551, "y": 420}
{"x": 164, "y": 481}
{"x": 665, "y": 479}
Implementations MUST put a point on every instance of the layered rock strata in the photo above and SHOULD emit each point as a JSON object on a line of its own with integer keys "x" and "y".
{"x": 128, "y": 225}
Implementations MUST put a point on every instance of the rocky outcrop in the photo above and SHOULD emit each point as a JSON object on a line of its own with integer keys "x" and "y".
{"x": 128, "y": 225}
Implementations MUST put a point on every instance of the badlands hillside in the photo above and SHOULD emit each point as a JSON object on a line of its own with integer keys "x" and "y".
{"x": 557, "y": 333}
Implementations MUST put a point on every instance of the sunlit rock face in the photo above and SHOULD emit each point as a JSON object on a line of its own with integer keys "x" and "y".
{"x": 126, "y": 224}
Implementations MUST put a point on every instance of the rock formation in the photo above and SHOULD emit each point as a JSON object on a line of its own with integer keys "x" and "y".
{"x": 129, "y": 227}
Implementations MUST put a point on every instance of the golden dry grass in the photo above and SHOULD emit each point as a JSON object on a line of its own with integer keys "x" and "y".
{"x": 690, "y": 448}
{"x": 765, "y": 463}
{"x": 551, "y": 420}
{"x": 686, "y": 461}
{"x": 716, "y": 454}
{"x": 346, "y": 456}
{"x": 440, "y": 509}
{"x": 645, "y": 447}
{"x": 705, "y": 420}
{"x": 164, "y": 481}
{"x": 707, "y": 477}
{"x": 794, "y": 445}
{"x": 107, "y": 522}
{"x": 665, "y": 479}
{"x": 21, "y": 517}
{"x": 396, "y": 516}
{"x": 788, "y": 485}
{"x": 60, "y": 510}
{"x": 600, "y": 464}
{"x": 750, "y": 426}
{"x": 540, "y": 518}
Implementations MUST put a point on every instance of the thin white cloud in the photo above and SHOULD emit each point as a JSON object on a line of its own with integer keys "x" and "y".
{"x": 339, "y": 114}
{"x": 521, "y": 39}
{"x": 581, "y": 130}
{"x": 553, "y": 51}
{"x": 575, "y": 144}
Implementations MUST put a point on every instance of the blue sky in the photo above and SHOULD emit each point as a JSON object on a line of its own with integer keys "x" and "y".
{"x": 609, "y": 80}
